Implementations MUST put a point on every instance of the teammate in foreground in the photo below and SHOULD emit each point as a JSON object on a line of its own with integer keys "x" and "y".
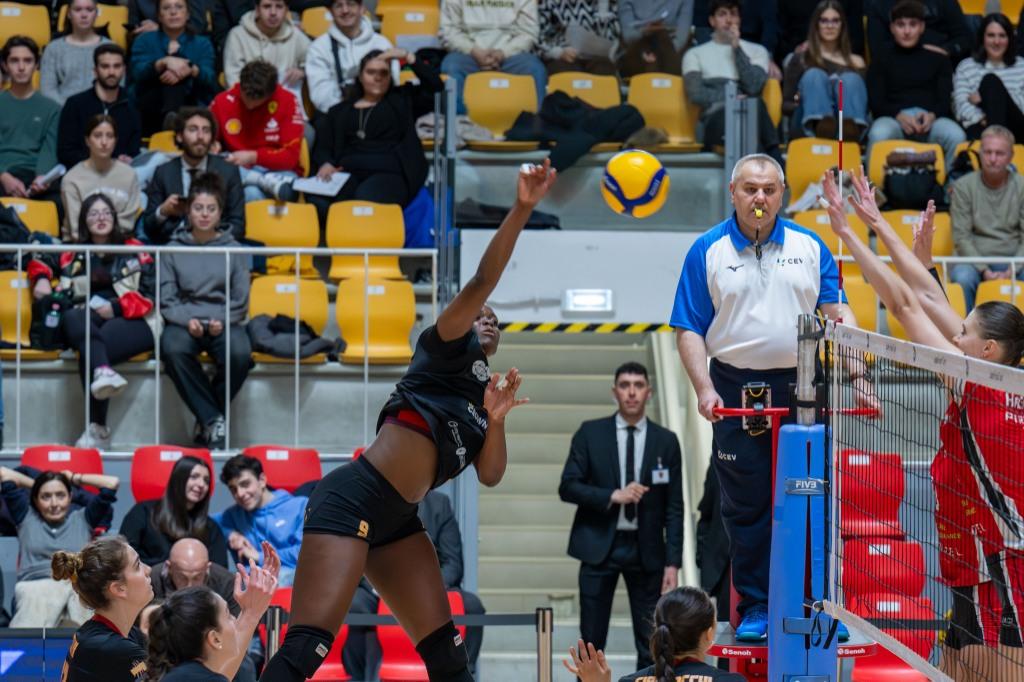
{"x": 446, "y": 413}
{"x": 977, "y": 473}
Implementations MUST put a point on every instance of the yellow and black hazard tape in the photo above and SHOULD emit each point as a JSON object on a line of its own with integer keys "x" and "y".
{"x": 581, "y": 327}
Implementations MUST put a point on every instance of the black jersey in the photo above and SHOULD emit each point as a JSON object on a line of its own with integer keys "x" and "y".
{"x": 99, "y": 653}
{"x": 687, "y": 670}
{"x": 445, "y": 384}
{"x": 192, "y": 671}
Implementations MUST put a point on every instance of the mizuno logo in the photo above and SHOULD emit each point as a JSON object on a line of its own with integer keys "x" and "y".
{"x": 734, "y": 268}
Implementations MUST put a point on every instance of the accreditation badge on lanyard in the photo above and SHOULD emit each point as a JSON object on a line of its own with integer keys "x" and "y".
{"x": 659, "y": 476}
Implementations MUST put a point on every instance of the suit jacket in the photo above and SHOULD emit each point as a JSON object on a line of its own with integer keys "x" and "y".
{"x": 439, "y": 519}
{"x": 167, "y": 181}
{"x": 591, "y": 475}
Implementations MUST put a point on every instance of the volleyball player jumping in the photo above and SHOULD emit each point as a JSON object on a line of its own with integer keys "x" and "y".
{"x": 446, "y": 413}
{"x": 977, "y": 474}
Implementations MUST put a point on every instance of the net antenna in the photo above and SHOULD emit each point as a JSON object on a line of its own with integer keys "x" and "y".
{"x": 840, "y": 252}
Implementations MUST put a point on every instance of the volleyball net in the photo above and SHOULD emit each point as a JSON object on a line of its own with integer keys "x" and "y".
{"x": 927, "y": 538}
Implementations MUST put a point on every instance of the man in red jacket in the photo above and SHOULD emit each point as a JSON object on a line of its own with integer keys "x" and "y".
{"x": 261, "y": 128}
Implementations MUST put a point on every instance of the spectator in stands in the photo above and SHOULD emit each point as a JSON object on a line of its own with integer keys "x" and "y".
{"x": 105, "y": 96}
{"x": 372, "y": 134}
{"x": 988, "y": 87}
{"x": 28, "y": 126}
{"x": 332, "y": 62}
{"x": 361, "y": 653}
{"x": 195, "y": 130}
{"x": 171, "y": 68}
{"x": 261, "y": 128}
{"x": 260, "y": 515}
{"x": 41, "y": 508}
{"x": 101, "y": 173}
{"x": 64, "y": 69}
{"x": 195, "y": 305}
{"x": 910, "y": 86}
{"x": 945, "y": 30}
{"x": 810, "y": 87}
{"x": 493, "y": 35}
{"x": 119, "y": 302}
{"x": 708, "y": 67}
{"x": 152, "y": 526}
{"x": 556, "y": 47}
{"x": 268, "y": 33}
{"x": 654, "y": 33}
{"x": 144, "y": 16}
{"x": 189, "y": 566}
{"x": 987, "y": 210}
{"x": 758, "y": 24}
{"x": 795, "y": 24}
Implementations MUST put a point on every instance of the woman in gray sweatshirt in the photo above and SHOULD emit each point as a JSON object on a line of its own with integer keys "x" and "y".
{"x": 199, "y": 298}
{"x": 66, "y": 67}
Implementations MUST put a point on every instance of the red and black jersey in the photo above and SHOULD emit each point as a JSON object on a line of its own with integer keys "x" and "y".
{"x": 100, "y": 653}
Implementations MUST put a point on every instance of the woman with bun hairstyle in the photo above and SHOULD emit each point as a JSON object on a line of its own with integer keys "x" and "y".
{"x": 684, "y": 630}
{"x": 194, "y": 638}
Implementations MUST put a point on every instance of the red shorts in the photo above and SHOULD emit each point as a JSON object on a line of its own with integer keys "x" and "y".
{"x": 977, "y": 614}
{"x": 1007, "y": 571}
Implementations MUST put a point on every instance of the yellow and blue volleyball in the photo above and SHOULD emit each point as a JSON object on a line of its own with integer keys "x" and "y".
{"x": 635, "y": 183}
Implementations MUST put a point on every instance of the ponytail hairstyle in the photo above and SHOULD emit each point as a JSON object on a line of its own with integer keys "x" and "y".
{"x": 171, "y": 514}
{"x": 178, "y": 627}
{"x": 681, "y": 618}
{"x": 1003, "y": 323}
{"x": 91, "y": 571}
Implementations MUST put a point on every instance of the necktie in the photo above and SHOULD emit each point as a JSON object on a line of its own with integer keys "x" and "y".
{"x": 192, "y": 173}
{"x": 630, "y": 467}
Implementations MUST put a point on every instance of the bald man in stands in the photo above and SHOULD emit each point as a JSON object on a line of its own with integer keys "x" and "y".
{"x": 189, "y": 565}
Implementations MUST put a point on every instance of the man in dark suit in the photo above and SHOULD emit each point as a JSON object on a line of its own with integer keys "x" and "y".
{"x": 624, "y": 475}
{"x": 361, "y": 653}
{"x": 195, "y": 130}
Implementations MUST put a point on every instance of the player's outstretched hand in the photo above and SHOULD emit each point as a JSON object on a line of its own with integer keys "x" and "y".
{"x": 500, "y": 395}
{"x": 834, "y": 201}
{"x": 588, "y": 664}
{"x": 924, "y": 233}
{"x": 863, "y": 199}
{"x": 254, "y": 588}
{"x": 534, "y": 182}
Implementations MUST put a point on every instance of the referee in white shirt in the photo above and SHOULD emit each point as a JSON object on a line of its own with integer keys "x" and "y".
{"x": 743, "y": 285}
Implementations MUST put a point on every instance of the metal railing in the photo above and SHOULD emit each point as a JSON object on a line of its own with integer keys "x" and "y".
{"x": 228, "y": 252}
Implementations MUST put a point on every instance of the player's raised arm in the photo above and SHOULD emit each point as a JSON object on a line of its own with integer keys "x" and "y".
{"x": 457, "y": 319}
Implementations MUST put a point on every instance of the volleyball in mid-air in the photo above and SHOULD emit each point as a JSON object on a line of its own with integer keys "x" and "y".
{"x": 635, "y": 183}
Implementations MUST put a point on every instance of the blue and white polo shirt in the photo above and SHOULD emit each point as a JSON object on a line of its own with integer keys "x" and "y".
{"x": 746, "y": 308}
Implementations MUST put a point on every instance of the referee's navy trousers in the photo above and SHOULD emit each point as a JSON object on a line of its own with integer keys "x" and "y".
{"x": 744, "y": 467}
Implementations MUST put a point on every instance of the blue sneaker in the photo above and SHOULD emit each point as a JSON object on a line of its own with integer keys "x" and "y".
{"x": 754, "y": 626}
{"x": 842, "y": 632}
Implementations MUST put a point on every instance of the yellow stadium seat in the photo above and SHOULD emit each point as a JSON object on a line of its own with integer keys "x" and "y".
{"x": 1012, "y": 9}
{"x": 114, "y": 17}
{"x": 304, "y": 157}
{"x": 410, "y": 21}
{"x": 385, "y": 6}
{"x": 1018, "y": 154}
{"x": 973, "y": 6}
{"x": 808, "y": 157}
{"x": 863, "y": 301}
{"x": 316, "y": 21}
{"x": 494, "y": 100}
{"x": 599, "y": 91}
{"x": 661, "y": 99}
{"x": 880, "y": 150}
{"x": 25, "y": 20}
{"x": 163, "y": 141}
{"x": 1001, "y": 290}
{"x": 392, "y": 312}
{"x": 905, "y": 221}
{"x": 817, "y": 222}
{"x": 14, "y": 286}
{"x": 955, "y": 294}
{"x": 772, "y": 96}
{"x": 38, "y": 216}
{"x": 276, "y": 295}
{"x": 365, "y": 225}
{"x": 280, "y": 225}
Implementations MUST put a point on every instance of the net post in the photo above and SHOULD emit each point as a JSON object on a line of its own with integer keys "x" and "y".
{"x": 806, "y": 350}
{"x": 274, "y": 613}
{"x": 545, "y": 631}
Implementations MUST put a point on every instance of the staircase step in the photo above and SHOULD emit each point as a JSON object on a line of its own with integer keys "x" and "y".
{"x": 529, "y": 510}
{"x": 538, "y": 448}
{"x": 539, "y": 573}
{"x": 559, "y": 359}
{"x": 552, "y": 418}
{"x": 545, "y": 540}
{"x": 532, "y": 479}
{"x": 580, "y": 389}
{"x": 564, "y": 602}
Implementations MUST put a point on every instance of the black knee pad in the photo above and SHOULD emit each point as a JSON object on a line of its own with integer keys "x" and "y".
{"x": 304, "y": 648}
{"x": 444, "y": 654}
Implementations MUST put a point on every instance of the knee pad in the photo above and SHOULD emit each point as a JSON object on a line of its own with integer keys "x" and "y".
{"x": 304, "y": 648}
{"x": 444, "y": 654}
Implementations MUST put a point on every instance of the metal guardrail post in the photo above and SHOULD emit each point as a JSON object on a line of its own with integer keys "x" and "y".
{"x": 545, "y": 633}
{"x": 275, "y": 616}
{"x": 740, "y": 130}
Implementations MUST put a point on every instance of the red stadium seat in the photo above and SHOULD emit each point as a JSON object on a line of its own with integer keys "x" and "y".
{"x": 63, "y": 457}
{"x": 285, "y": 467}
{"x": 152, "y": 464}
{"x": 871, "y": 490}
{"x": 886, "y": 665}
{"x": 400, "y": 662}
{"x": 873, "y": 565}
{"x": 332, "y": 669}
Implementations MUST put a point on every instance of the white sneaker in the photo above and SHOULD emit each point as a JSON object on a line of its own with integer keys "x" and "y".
{"x": 96, "y": 436}
{"x": 277, "y": 186}
{"x": 106, "y": 383}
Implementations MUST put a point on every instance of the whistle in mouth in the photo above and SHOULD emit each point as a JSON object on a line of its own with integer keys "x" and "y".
{"x": 759, "y": 213}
